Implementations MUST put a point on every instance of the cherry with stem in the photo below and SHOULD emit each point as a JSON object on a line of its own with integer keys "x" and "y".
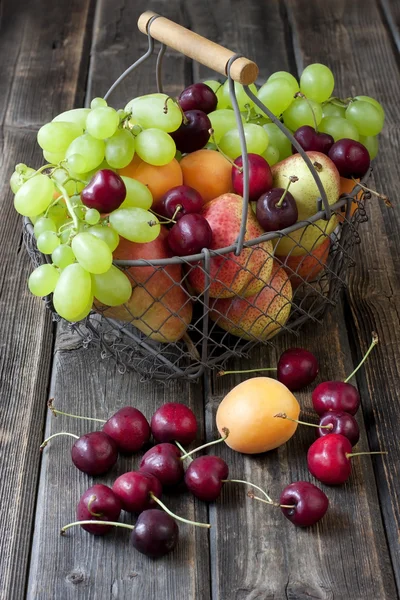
{"x": 222, "y": 439}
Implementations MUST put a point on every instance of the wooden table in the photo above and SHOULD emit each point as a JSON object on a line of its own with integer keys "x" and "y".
{"x": 57, "y": 55}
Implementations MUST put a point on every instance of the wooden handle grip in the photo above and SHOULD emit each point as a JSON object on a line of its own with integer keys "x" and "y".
{"x": 198, "y": 48}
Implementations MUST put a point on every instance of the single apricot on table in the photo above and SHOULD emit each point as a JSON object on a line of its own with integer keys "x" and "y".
{"x": 248, "y": 412}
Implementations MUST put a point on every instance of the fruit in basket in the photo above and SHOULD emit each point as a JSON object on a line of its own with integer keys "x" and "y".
{"x": 35, "y": 195}
{"x": 256, "y": 140}
{"x": 302, "y": 111}
{"x": 157, "y": 111}
{"x": 277, "y": 209}
{"x": 350, "y": 157}
{"x": 258, "y": 317}
{"x": 198, "y": 96}
{"x": 158, "y": 179}
{"x": 194, "y": 132}
{"x": 230, "y": 274}
{"x": 190, "y": 235}
{"x": 317, "y": 82}
{"x": 92, "y": 253}
{"x": 180, "y": 200}
{"x": 305, "y": 267}
{"x": 278, "y": 94}
{"x": 260, "y": 176}
{"x": 155, "y": 147}
{"x": 208, "y": 172}
{"x": 98, "y": 502}
{"x": 112, "y": 287}
{"x": 339, "y": 128}
{"x": 311, "y": 140}
{"x": 174, "y": 422}
{"x": 249, "y": 410}
{"x": 135, "y": 224}
{"x": 366, "y": 117}
{"x": 105, "y": 191}
{"x": 73, "y": 293}
{"x": 222, "y": 121}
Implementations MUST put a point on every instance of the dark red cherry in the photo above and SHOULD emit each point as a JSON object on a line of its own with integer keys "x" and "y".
{"x": 309, "y": 140}
{"x": 174, "y": 422}
{"x": 273, "y": 213}
{"x": 164, "y": 462}
{"x": 194, "y": 132}
{"x": 328, "y": 459}
{"x": 105, "y": 192}
{"x": 337, "y": 396}
{"x": 98, "y": 503}
{"x": 155, "y": 533}
{"x": 309, "y": 503}
{"x": 183, "y": 196}
{"x": 198, "y": 96}
{"x": 340, "y": 422}
{"x": 94, "y": 453}
{"x": 350, "y": 157}
{"x": 190, "y": 235}
{"x": 297, "y": 368}
{"x": 133, "y": 490}
{"x": 204, "y": 477}
{"x": 260, "y": 176}
{"x": 129, "y": 428}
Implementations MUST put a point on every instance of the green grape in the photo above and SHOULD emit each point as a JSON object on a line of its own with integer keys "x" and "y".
{"x": 121, "y": 114}
{"x": 317, "y": 82}
{"x": 223, "y": 101}
{"x": 155, "y": 147}
{"x": 47, "y": 242}
{"x": 62, "y": 175}
{"x": 271, "y": 155}
{"x": 339, "y": 128}
{"x": 222, "y": 121}
{"x": 59, "y": 214}
{"x": 34, "y": 196}
{"x": 63, "y": 256}
{"x": 20, "y": 175}
{"x": 371, "y": 143}
{"x": 43, "y": 280}
{"x": 137, "y": 194}
{"x": 278, "y": 140}
{"x": 53, "y": 157}
{"x": 148, "y": 112}
{"x": 277, "y": 95}
{"x": 91, "y": 149}
{"x": 112, "y": 288}
{"x": 76, "y": 115}
{"x": 365, "y": 117}
{"x": 135, "y": 224}
{"x": 92, "y": 253}
{"x": 98, "y": 103}
{"x": 120, "y": 149}
{"x": 107, "y": 234}
{"x": 77, "y": 163}
{"x": 300, "y": 112}
{"x": 333, "y": 110}
{"x": 288, "y": 76}
{"x": 73, "y": 292}
{"x": 55, "y": 137}
{"x": 242, "y": 98}
{"x": 256, "y": 139}
{"x": 102, "y": 122}
{"x": 86, "y": 310}
{"x": 92, "y": 216}
{"x": 65, "y": 233}
{"x": 373, "y": 102}
{"x": 213, "y": 84}
{"x": 44, "y": 224}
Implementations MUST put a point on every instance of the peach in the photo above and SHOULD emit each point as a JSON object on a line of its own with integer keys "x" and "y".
{"x": 208, "y": 172}
{"x": 307, "y": 266}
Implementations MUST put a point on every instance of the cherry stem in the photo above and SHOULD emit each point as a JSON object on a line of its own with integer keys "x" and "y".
{"x": 177, "y": 209}
{"x": 185, "y": 120}
{"x": 56, "y": 412}
{"x": 381, "y": 196}
{"x": 182, "y": 449}
{"x": 351, "y": 454}
{"x": 292, "y": 179}
{"x": 270, "y": 501}
{"x": 46, "y": 441}
{"x": 158, "y": 501}
{"x": 374, "y": 342}
{"x": 93, "y": 499}
{"x": 221, "y": 373}
{"x": 253, "y": 497}
{"x": 300, "y": 95}
{"x": 284, "y": 416}
{"x": 226, "y": 432}
{"x": 90, "y": 522}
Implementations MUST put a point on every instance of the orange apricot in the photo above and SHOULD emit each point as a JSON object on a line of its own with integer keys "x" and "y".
{"x": 248, "y": 412}
{"x": 208, "y": 172}
{"x": 158, "y": 179}
{"x": 346, "y": 187}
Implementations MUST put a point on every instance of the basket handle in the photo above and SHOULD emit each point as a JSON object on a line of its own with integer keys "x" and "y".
{"x": 198, "y": 48}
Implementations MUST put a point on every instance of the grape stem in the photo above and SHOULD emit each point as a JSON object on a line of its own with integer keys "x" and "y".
{"x": 48, "y": 166}
{"x": 292, "y": 179}
{"x": 300, "y": 95}
{"x": 67, "y": 199}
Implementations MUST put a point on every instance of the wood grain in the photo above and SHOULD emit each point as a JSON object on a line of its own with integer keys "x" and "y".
{"x": 374, "y": 288}
{"x": 79, "y": 565}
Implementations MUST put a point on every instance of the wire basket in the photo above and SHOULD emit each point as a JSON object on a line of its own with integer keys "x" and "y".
{"x": 189, "y": 314}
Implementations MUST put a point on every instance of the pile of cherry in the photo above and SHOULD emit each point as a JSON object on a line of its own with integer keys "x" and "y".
{"x": 174, "y": 425}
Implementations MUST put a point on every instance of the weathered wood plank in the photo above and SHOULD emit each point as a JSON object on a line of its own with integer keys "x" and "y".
{"x": 375, "y": 285}
{"x": 260, "y": 554}
{"x": 80, "y": 565}
{"x": 391, "y": 13}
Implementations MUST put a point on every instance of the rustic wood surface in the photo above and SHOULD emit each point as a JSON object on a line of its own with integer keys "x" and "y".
{"x": 57, "y": 55}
